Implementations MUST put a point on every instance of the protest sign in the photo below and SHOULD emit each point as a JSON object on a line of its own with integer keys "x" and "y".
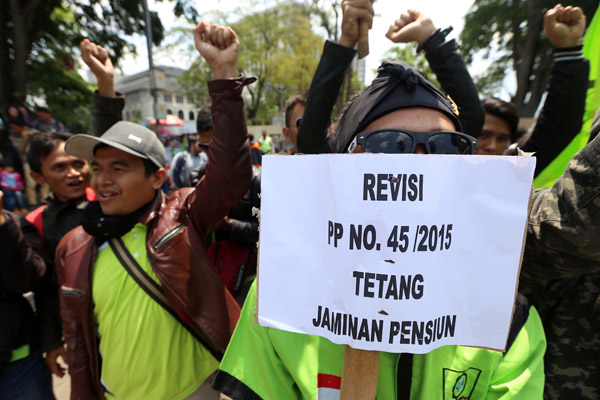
{"x": 395, "y": 253}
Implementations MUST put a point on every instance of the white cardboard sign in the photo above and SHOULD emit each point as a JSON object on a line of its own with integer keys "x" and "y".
{"x": 395, "y": 253}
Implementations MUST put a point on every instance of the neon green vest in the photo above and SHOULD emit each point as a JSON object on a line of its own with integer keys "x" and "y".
{"x": 275, "y": 364}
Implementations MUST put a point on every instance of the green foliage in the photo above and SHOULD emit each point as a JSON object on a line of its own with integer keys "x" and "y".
{"x": 277, "y": 46}
{"x": 40, "y": 38}
{"x": 68, "y": 94}
{"x": 280, "y": 49}
{"x": 193, "y": 83}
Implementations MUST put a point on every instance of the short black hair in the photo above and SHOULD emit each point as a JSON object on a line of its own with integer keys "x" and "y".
{"x": 149, "y": 167}
{"x": 43, "y": 109}
{"x": 505, "y": 111}
{"x": 298, "y": 98}
{"x": 40, "y": 145}
{"x": 204, "y": 120}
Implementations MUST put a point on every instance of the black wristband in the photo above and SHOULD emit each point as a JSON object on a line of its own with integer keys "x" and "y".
{"x": 438, "y": 37}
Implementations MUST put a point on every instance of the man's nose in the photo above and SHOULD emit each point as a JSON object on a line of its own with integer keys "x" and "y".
{"x": 73, "y": 171}
{"x": 101, "y": 178}
{"x": 421, "y": 149}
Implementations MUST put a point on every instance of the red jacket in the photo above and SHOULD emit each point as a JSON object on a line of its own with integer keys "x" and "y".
{"x": 176, "y": 227}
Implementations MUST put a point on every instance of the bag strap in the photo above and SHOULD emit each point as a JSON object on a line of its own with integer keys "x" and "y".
{"x": 149, "y": 285}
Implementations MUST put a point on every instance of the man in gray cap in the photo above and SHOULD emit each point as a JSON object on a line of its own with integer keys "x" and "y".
{"x": 144, "y": 314}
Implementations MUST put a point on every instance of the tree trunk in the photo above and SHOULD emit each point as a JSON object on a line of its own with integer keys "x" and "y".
{"x": 256, "y": 99}
{"x": 524, "y": 60}
{"x": 21, "y": 40}
{"x": 537, "y": 89}
{"x": 5, "y": 86}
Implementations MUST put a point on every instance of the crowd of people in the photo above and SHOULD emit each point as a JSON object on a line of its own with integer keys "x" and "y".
{"x": 142, "y": 260}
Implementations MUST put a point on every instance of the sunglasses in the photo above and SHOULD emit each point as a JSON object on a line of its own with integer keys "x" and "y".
{"x": 298, "y": 122}
{"x": 399, "y": 141}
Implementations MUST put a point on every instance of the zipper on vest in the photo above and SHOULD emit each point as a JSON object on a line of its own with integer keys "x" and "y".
{"x": 168, "y": 236}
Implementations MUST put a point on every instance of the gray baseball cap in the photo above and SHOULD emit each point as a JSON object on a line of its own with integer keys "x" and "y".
{"x": 125, "y": 136}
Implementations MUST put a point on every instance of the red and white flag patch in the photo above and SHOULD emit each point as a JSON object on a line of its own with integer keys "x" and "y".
{"x": 328, "y": 387}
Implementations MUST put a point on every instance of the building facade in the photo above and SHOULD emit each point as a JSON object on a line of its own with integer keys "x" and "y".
{"x": 170, "y": 97}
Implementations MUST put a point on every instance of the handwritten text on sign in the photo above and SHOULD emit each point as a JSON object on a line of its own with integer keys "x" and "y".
{"x": 397, "y": 253}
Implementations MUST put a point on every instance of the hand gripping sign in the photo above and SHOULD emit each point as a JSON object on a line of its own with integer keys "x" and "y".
{"x": 395, "y": 253}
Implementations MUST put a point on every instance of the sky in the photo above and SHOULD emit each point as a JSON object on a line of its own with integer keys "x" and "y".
{"x": 442, "y": 14}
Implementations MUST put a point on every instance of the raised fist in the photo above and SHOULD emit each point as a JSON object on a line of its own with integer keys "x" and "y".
{"x": 564, "y": 26}
{"x": 354, "y": 11}
{"x": 412, "y": 26}
{"x": 219, "y": 46}
{"x": 97, "y": 59}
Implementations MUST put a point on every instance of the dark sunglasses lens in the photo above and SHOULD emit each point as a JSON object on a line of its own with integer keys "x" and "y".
{"x": 449, "y": 143}
{"x": 388, "y": 142}
{"x": 298, "y": 122}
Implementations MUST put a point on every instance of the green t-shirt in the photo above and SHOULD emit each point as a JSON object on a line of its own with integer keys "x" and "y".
{"x": 269, "y": 363}
{"x": 146, "y": 353}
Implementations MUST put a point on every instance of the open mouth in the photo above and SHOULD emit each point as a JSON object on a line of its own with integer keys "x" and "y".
{"x": 75, "y": 185}
{"x": 106, "y": 195}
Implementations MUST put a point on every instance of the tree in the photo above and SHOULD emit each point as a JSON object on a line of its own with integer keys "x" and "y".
{"x": 38, "y": 37}
{"x": 279, "y": 47}
{"x": 511, "y": 31}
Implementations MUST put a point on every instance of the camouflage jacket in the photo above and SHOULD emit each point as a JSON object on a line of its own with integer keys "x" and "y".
{"x": 561, "y": 276}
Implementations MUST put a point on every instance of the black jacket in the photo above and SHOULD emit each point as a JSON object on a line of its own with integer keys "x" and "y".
{"x": 561, "y": 117}
{"x": 21, "y": 270}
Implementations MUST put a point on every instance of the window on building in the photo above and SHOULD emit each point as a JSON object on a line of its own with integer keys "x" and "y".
{"x": 167, "y": 98}
{"x": 179, "y": 99}
{"x": 180, "y": 114}
{"x": 191, "y": 116}
{"x": 189, "y": 101}
{"x": 169, "y": 111}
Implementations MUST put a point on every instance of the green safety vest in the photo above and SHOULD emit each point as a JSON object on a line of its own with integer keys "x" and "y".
{"x": 268, "y": 363}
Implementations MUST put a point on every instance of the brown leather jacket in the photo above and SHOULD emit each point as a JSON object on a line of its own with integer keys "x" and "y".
{"x": 176, "y": 227}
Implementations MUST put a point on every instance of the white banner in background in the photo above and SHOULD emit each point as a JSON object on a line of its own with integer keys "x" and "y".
{"x": 395, "y": 253}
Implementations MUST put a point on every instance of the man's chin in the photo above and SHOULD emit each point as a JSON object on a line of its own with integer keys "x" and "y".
{"x": 69, "y": 195}
{"x": 107, "y": 210}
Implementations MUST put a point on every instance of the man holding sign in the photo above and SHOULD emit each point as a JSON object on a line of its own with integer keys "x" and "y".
{"x": 399, "y": 113}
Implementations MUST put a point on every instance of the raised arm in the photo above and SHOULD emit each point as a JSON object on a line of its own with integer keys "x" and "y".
{"x": 229, "y": 168}
{"x": 329, "y": 76}
{"x": 561, "y": 117}
{"x": 108, "y": 104}
{"x": 446, "y": 62}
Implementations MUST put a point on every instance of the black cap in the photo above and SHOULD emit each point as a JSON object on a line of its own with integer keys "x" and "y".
{"x": 397, "y": 86}
{"x": 125, "y": 136}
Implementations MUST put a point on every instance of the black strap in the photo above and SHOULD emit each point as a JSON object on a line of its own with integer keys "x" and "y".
{"x": 150, "y": 286}
{"x": 404, "y": 376}
{"x": 520, "y": 317}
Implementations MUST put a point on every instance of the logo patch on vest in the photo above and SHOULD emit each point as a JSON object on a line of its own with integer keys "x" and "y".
{"x": 328, "y": 387}
{"x": 459, "y": 385}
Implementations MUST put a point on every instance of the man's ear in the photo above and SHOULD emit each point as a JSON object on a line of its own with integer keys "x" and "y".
{"x": 286, "y": 133}
{"x": 159, "y": 178}
{"x": 38, "y": 178}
